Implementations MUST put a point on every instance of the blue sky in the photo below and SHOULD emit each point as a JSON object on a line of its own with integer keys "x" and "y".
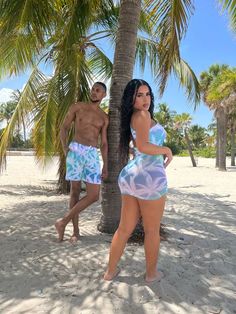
{"x": 209, "y": 40}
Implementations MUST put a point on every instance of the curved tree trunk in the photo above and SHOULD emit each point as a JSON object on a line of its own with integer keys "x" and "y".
{"x": 24, "y": 128}
{"x": 222, "y": 138}
{"x": 63, "y": 186}
{"x": 122, "y": 72}
{"x": 217, "y": 142}
{"x": 189, "y": 148}
{"x": 233, "y": 145}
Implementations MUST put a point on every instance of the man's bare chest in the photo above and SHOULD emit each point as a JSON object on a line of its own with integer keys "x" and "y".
{"x": 86, "y": 119}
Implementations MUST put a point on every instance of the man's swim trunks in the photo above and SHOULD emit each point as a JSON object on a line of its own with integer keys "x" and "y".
{"x": 144, "y": 177}
{"x": 82, "y": 164}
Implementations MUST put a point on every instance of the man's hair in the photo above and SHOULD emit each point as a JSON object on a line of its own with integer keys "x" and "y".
{"x": 102, "y": 84}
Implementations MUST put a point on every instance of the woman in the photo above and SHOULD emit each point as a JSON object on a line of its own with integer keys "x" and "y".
{"x": 142, "y": 181}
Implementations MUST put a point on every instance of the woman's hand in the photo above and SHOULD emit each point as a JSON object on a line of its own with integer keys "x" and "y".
{"x": 167, "y": 157}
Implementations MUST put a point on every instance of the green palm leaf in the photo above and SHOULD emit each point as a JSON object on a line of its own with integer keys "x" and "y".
{"x": 170, "y": 19}
{"x": 230, "y": 6}
{"x": 188, "y": 80}
{"x": 99, "y": 64}
{"x": 147, "y": 51}
{"x": 24, "y": 107}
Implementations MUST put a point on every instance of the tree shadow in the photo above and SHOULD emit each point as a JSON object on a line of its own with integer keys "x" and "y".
{"x": 37, "y": 273}
{"x": 231, "y": 169}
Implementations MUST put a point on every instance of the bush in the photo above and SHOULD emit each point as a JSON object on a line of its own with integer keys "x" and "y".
{"x": 207, "y": 152}
{"x": 176, "y": 149}
{"x": 183, "y": 153}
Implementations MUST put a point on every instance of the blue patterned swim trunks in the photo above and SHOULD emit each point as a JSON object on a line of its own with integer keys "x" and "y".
{"x": 82, "y": 164}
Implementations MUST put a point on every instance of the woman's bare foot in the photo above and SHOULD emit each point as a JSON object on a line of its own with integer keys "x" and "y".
{"x": 60, "y": 227}
{"x": 159, "y": 275}
{"x": 110, "y": 276}
{"x": 74, "y": 238}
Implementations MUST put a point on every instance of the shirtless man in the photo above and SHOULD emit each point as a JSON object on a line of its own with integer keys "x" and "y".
{"x": 82, "y": 161}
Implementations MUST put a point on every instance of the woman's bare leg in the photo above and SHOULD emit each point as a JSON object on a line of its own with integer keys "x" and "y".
{"x": 129, "y": 218}
{"x": 152, "y": 212}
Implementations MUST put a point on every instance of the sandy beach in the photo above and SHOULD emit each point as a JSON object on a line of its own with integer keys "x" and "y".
{"x": 38, "y": 275}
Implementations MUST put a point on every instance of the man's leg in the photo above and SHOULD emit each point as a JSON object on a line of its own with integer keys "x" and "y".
{"x": 91, "y": 197}
{"x": 75, "y": 189}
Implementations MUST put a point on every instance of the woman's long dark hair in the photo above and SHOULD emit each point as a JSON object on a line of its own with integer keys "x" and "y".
{"x": 127, "y": 109}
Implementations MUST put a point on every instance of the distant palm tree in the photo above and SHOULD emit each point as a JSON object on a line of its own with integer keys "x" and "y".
{"x": 207, "y": 81}
{"x": 15, "y": 98}
{"x": 164, "y": 115}
{"x": 182, "y": 122}
{"x": 197, "y": 135}
{"x": 7, "y": 110}
{"x": 221, "y": 95}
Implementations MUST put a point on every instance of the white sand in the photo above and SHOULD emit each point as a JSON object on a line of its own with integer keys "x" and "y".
{"x": 38, "y": 275}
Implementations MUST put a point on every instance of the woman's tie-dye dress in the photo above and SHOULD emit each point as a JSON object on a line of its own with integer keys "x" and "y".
{"x": 144, "y": 176}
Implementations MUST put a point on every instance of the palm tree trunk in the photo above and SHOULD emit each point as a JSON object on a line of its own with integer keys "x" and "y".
{"x": 217, "y": 143}
{"x": 122, "y": 72}
{"x": 222, "y": 138}
{"x": 24, "y": 128}
{"x": 189, "y": 148}
{"x": 63, "y": 186}
{"x": 233, "y": 145}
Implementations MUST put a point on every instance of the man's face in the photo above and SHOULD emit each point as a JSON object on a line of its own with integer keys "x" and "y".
{"x": 97, "y": 93}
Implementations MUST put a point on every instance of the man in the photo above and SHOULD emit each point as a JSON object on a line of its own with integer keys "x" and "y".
{"x": 82, "y": 161}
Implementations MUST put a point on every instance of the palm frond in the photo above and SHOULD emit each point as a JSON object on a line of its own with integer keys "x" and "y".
{"x": 100, "y": 64}
{"x": 44, "y": 131}
{"x": 147, "y": 51}
{"x": 188, "y": 80}
{"x": 230, "y": 6}
{"x": 171, "y": 20}
{"x": 24, "y": 28}
{"x": 25, "y": 106}
{"x": 17, "y": 52}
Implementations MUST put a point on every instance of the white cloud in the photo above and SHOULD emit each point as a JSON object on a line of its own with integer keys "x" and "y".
{"x": 5, "y": 94}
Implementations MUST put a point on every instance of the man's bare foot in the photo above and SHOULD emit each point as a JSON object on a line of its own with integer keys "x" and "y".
{"x": 110, "y": 276}
{"x": 74, "y": 238}
{"x": 159, "y": 275}
{"x": 60, "y": 227}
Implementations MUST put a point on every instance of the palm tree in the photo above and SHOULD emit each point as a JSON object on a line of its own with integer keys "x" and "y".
{"x": 183, "y": 122}
{"x": 164, "y": 115}
{"x": 232, "y": 128}
{"x": 164, "y": 58}
{"x": 197, "y": 135}
{"x": 122, "y": 72}
{"x": 221, "y": 95}
{"x": 170, "y": 20}
{"x": 207, "y": 81}
{"x": 61, "y": 33}
{"x": 6, "y": 111}
{"x": 15, "y": 98}
{"x": 67, "y": 35}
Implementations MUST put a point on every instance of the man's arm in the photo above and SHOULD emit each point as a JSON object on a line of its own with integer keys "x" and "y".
{"x": 69, "y": 118}
{"x": 104, "y": 148}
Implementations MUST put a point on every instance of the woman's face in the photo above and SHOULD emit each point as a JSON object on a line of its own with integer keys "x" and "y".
{"x": 143, "y": 98}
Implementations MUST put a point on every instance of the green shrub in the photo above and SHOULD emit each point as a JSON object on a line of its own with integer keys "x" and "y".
{"x": 183, "y": 153}
{"x": 207, "y": 152}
